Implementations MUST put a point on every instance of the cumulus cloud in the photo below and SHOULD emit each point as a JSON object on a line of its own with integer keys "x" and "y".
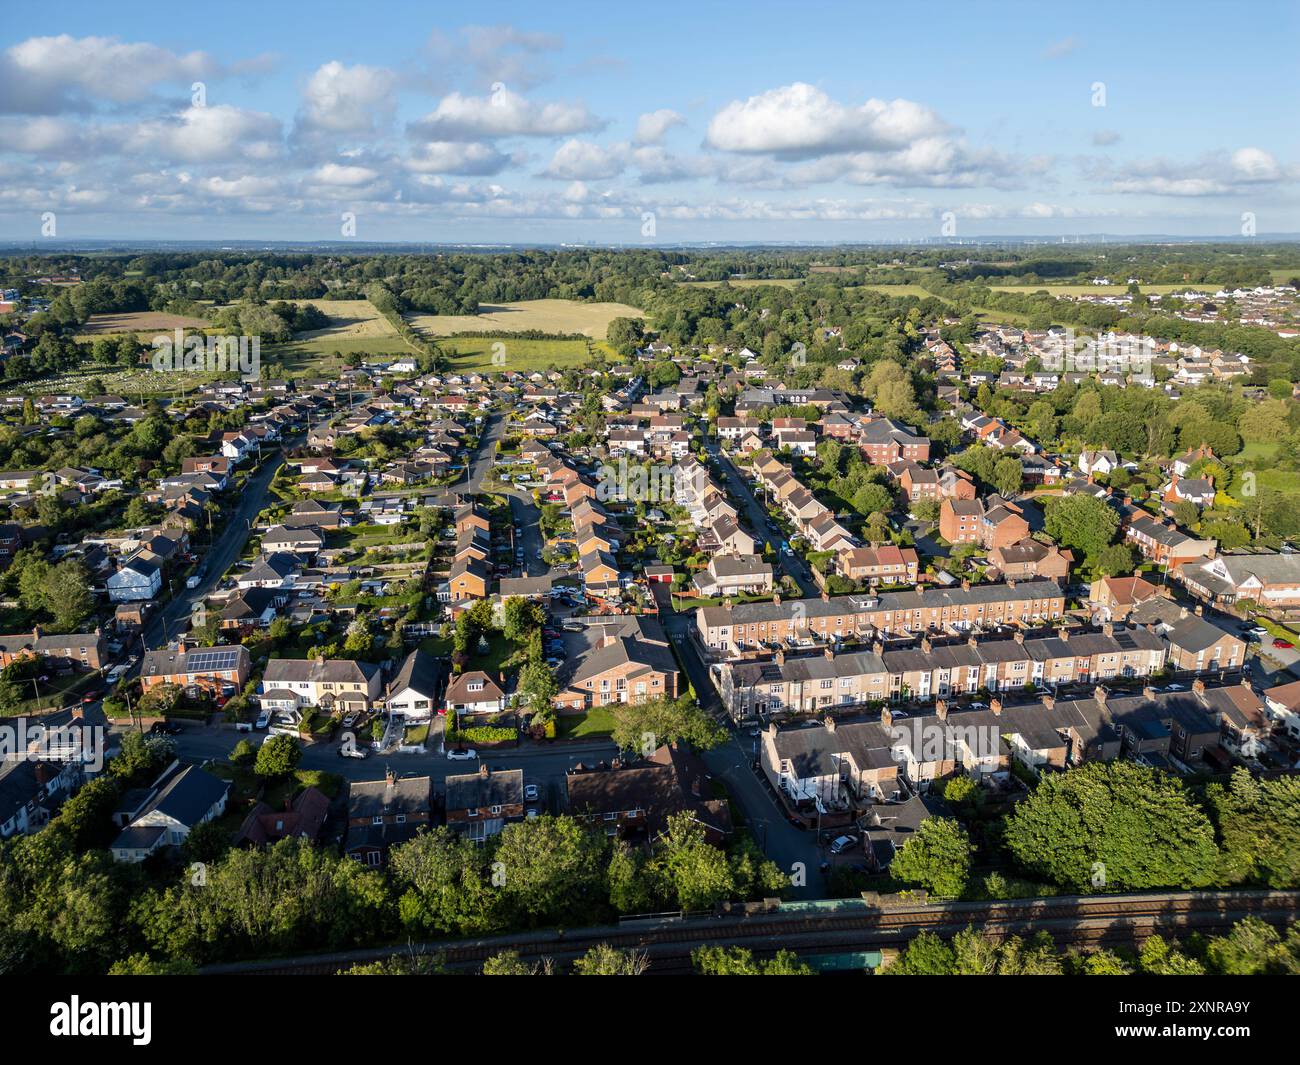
{"x": 49, "y": 75}
{"x": 801, "y": 121}
{"x": 459, "y": 157}
{"x": 651, "y": 127}
{"x": 584, "y": 161}
{"x": 1217, "y": 174}
{"x": 207, "y": 134}
{"x": 339, "y": 99}
{"x": 503, "y": 113}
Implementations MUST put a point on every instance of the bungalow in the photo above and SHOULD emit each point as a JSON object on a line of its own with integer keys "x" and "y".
{"x": 185, "y": 800}
{"x": 413, "y": 692}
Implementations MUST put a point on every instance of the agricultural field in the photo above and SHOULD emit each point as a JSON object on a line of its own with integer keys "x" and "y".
{"x": 349, "y": 320}
{"x": 477, "y": 353}
{"x": 137, "y": 322}
{"x": 897, "y": 290}
{"x": 546, "y": 316}
{"x": 136, "y": 386}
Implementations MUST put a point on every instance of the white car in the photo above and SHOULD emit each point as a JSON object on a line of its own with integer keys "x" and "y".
{"x": 530, "y": 792}
{"x": 263, "y": 719}
{"x": 842, "y": 843}
{"x": 461, "y": 756}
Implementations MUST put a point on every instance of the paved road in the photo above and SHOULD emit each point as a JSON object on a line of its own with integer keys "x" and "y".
{"x": 220, "y": 556}
{"x": 762, "y": 526}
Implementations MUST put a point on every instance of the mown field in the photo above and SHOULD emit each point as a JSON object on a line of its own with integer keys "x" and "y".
{"x": 349, "y": 320}
{"x": 546, "y": 316}
{"x": 138, "y": 322}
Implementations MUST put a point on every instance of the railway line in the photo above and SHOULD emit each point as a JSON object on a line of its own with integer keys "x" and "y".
{"x": 849, "y": 925}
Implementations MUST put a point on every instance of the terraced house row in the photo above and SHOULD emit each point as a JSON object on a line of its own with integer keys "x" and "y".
{"x": 832, "y": 682}
{"x": 842, "y": 765}
{"x": 729, "y": 630}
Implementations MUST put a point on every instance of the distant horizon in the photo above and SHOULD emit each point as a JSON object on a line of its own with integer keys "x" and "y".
{"x": 35, "y": 247}
{"x": 529, "y": 126}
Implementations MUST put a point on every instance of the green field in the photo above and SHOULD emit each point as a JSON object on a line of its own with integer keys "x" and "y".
{"x": 557, "y": 317}
{"x": 478, "y": 353}
{"x": 897, "y": 290}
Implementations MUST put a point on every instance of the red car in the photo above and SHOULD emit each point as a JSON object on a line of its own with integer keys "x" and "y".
{"x": 1284, "y": 645}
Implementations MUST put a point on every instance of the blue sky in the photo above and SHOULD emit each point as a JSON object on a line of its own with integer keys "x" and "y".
{"x": 632, "y": 124}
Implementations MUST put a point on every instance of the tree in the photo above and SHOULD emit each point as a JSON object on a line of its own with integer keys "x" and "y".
{"x": 445, "y": 884}
{"x": 1007, "y": 475}
{"x": 552, "y": 869}
{"x": 937, "y": 857}
{"x": 737, "y": 961}
{"x": 521, "y": 617}
{"x": 692, "y": 871}
{"x": 926, "y": 955}
{"x": 604, "y": 960}
{"x": 1082, "y": 522}
{"x": 509, "y": 963}
{"x": 538, "y": 684}
{"x": 1114, "y": 825}
{"x": 1258, "y": 822}
{"x": 1115, "y": 560}
{"x": 655, "y": 722}
{"x": 277, "y": 757}
{"x": 243, "y": 753}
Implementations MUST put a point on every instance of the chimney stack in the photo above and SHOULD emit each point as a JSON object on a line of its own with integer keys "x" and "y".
{"x": 776, "y": 598}
{"x": 1048, "y": 701}
{"x": 995, "y": 704}
{"x": 1099, "y": 693}
{"x": 1198, "y": 686}
{"x": 1199, "y": 610}
{"x": 390, "y": 777}
{"x": 941, "y": 709}
{"x": 829, "y": 722}
{"x": 972, "y": 642}
{"x": 780, "y": 656}
{"x": 1149, "y": 693}
{"x": 926, "y": 645}
{"x": 1018, "y": 636}
{"x": 965, "y": 584}
{"x": 728, "y": 604}
{"x": 482, "y": 769}
{"x": 830, "y": 653}
{"x": 887, "y": 717}
{"x": 1108, "y": 629}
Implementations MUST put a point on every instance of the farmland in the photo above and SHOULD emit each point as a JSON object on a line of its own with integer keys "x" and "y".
{"x": 349, "y": 320}
{"x": 476, "y": 353}
{"x": 545, "y": 316}
{"x": 137, "y": 322}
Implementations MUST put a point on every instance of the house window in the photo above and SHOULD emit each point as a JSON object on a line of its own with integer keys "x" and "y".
{"x": 378, "y": 819}
{"x": 401, "y": 819}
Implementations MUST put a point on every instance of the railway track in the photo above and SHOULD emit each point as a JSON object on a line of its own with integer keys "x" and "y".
{"x": 1070, "y": 920}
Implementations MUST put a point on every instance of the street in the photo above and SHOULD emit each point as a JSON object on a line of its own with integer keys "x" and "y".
{"x": 761, "y": 525}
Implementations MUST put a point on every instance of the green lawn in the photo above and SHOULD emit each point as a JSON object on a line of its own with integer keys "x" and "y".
{"x": 596, "y": 723}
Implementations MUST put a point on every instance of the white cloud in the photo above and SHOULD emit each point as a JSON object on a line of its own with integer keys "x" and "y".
{"x": 584, "y": 161}
{"x": 46, "y": 75}
{"x": 801, "y": 121}
{"x": 339, "y": 99}
{"x": 202, "y": 134}
{"x": 458, "y": 157}
{"x": 651, "y": 127}
{"x": 502, "y": 114}
{"x": 349, "y": 176}
{"x": 498, "y": 53}
{"x": 1245, "y": 170}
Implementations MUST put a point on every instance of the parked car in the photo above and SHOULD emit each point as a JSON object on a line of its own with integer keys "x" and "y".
{"x": 349, "y": 719}
{"x": 1258, "y": 633}
{"x": 1283, "y": 645}
{"x": 842, "y": 843}
{"x": 1175, "y": 687}
{"x": 531, "y": 792}
{"x": 243, "y": 726}
{"x": 461, "y": 756}
{"x": 165, "y": 728}
{"x": 263, "y": 720}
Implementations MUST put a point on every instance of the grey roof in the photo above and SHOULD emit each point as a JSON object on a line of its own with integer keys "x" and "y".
{"x": 472, "y": 791}
{"x": 334, "y": 670}
{"x": 419, "y": 671}
{"x": 403, "y": 795}
{"x": 188, "y": 796}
